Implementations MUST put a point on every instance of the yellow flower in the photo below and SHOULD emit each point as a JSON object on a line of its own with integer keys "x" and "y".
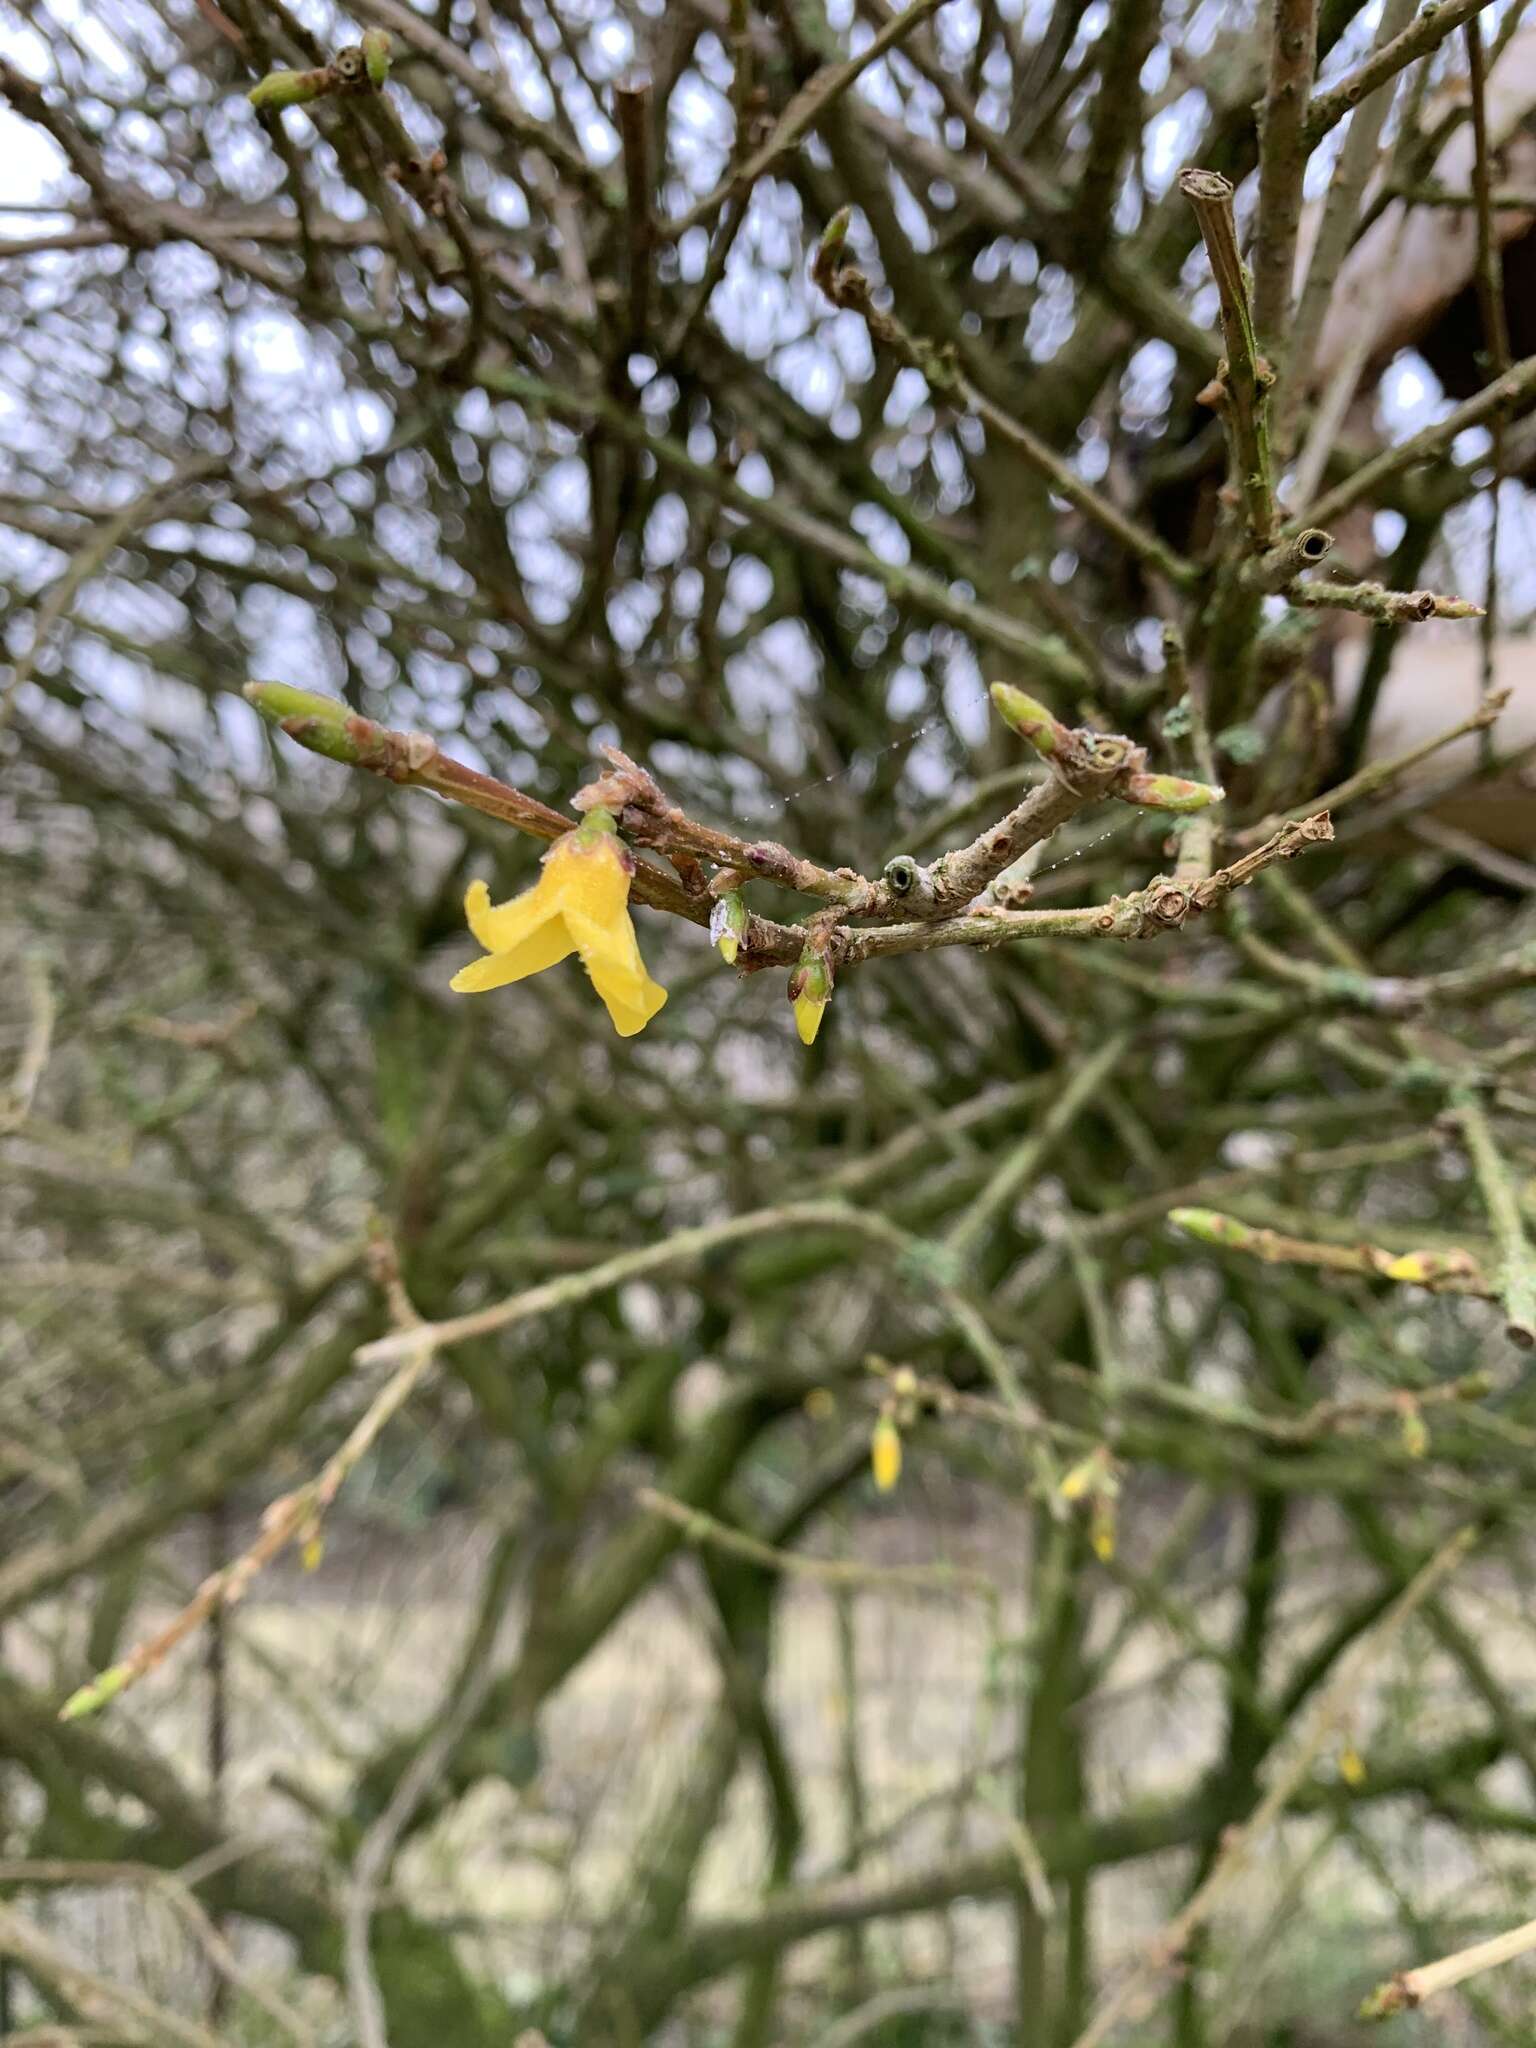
{"x": 580, "y": 904}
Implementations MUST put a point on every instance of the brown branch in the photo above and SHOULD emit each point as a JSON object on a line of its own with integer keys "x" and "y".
{"x": 1283, "y": 152}
{"x": 847, "y": 286}
{"x": 1433, "y": 25}
{"x": 1379, "y": 775}
{"x": 89, "y": 559}
{"x": 1162, "y": 906}
{"x": 69, "y": 1874}
{"x": 1504, "y": 394}
{"x": 414, "y": 760}
{"x": 1375, "y": 601}
{"x": 123, "y": 2014}
{"x": 633, "y": 102}
{"x": 803, "y": 114}
{"x": 1243, "y": 379}
{"x": 1495, "y": 320}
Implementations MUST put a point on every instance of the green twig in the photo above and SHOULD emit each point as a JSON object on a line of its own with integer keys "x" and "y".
{"x": 1517, "y": 1260}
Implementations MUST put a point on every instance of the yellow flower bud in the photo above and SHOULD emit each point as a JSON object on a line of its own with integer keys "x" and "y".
{"x": 810, "y": 990}
{"x": 728, "y": 925}
{"x": 808, "y": 1016}
{"x": 885, "y": 1454}
{"x": 1102, "y": 1524}
{"x": 1083, "y": 1477}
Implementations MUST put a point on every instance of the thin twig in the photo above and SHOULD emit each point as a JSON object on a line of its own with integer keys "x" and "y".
{"x": 1242, "y": 381}
{"x": 1495, "y": 323}
{"x": 1375, "y": 601}
{"x": 295, "y": 1516}
{"x": 1517, "y": 1260}
{"x": 699, "y": 1527}
{"x": 1379, "y": 775}
{"x": 1453, "y": 1272}
{"x": 1283, "y": 153}
{"x": 1427, "y": 33}
{"x": 377, "y": 1848}
{"x": 1409, "y": 1988}
{"x": 676, "y": 1250}
{"x": 1328, "y": 1715}
{"x": 87, "y": 562}
{"x": 803, "y": 114}
{"x": 633, "y": 102}
{"x": 179, "y": 1897}
{"x": 120, "y": 2012}
{"x": 1341, "y": 209}
{"x": 16, "y": 1102}
{"x": 1504, "y": 394}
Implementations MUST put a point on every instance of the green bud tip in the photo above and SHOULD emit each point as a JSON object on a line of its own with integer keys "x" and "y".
{"x": 1169, "y": 793}
{"x": 835, "y": 233}
{"x": 1031, "y": 721}
{"x": 728, "y": 925}
{"x": 323, "y": 724}
{"x": 376, "y": 47}
{"x": 286, "y": 89}
{"x": 97, "y": 1694}
{"x": 1209, "y": 1226}
{"x": 597, "y": 823}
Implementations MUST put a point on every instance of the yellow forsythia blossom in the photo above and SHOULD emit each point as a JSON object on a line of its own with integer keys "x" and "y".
{"x": 885, "y": 1454}
{"x": 580, "y": 904}
{"x": 1351, "y": 1765}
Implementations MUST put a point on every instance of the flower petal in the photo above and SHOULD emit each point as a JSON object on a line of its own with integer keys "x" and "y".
{"x": 591, "y": 881}
{"x": 501, "y": 926}
{"x": 610, "y": 953}
{"x": 542, "y": 948}
{"x": 628, "y": 1020}
{"x": 808, "y": 1016}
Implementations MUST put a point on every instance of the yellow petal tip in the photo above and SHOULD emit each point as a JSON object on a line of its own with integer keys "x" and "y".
{"x": 808, "y": 1017}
